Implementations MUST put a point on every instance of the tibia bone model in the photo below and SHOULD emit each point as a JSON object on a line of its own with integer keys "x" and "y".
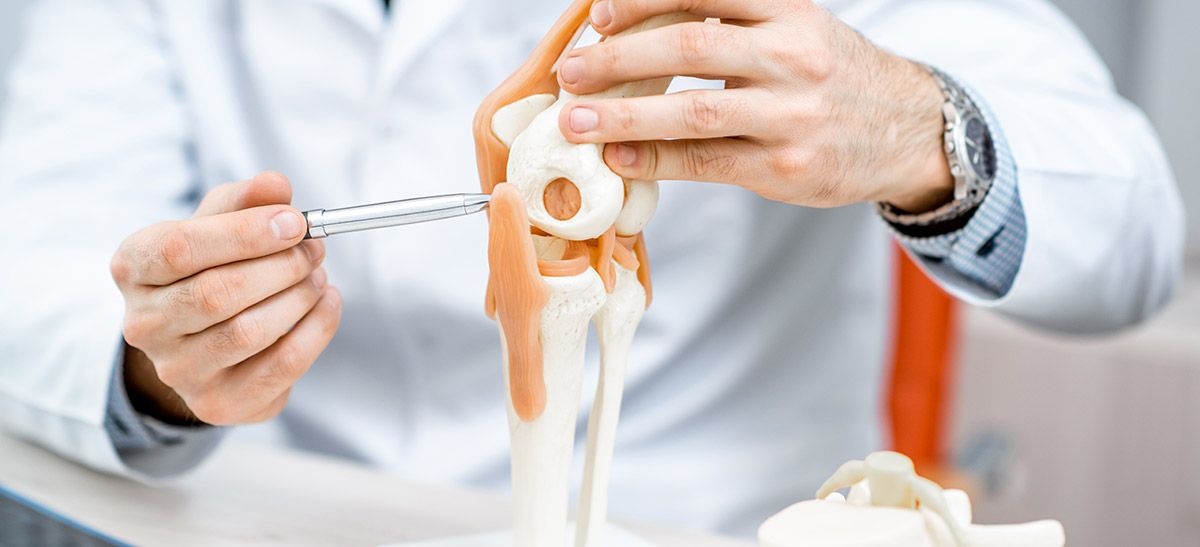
{"x": 890, "y": 505}
{"x": 565, "y": 247}
{"x": 615, "y": 326}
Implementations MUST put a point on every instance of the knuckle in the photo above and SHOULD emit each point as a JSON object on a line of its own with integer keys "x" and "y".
{"x": 702, "y": 159}
{"x": 175, "y": 250}
{"x": 626, "y": 118}
{"x": 781, "y": 53}
{"x": 181, "y": 299}
{"x": 247, "y": 230}
{"x": 818, "y": 64}
{"x": 211, "y": 294}
{"x": 696, "y": 158}
{"x": 704, "y": 114}
{"x": 609, "y": 56}
{"x": 139, "y": 329}
{"x": 650, "y": 167}
{"x": 812, "y": 62}
{"x": 789, "y": 164}
{"x": 286, "y": 366}
{"x": 235, "y": 335}
{"x": 298, "y": 264}
{"x": 121, "y": 267}
{"x": 272, "y": 408}
{"x": 698, "y": 42}
{"x": 219, "y": 193}
{"x": 811, "y": 111}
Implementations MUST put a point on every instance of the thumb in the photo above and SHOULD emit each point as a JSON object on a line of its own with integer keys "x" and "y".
{"x": 266, "y": 188}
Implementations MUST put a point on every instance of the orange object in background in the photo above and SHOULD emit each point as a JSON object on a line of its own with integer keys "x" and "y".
{"x": 924, "y": 335}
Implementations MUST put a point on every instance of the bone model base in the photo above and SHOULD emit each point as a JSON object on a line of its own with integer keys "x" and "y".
{"x": 565, "y": 249}
{"x": 613, "y": 535}
{"x": 889, "y": 505}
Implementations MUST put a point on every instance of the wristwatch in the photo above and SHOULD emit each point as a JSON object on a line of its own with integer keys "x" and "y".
{"x": 971, "y": 154}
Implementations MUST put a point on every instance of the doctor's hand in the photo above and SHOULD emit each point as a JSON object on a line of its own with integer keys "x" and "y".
{"x": 225, "y": 311}
{"x": 812, "y": 112}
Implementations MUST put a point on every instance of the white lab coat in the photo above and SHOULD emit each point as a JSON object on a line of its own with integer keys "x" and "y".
{"x": 757, "y": 370}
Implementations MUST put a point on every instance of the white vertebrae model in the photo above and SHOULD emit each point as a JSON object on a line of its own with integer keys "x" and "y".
{"x": 590, "y": 267}
{"x": 890, "y": 505}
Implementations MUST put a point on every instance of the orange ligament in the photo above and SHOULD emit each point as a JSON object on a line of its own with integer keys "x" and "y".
{"x": 519, "y": 296}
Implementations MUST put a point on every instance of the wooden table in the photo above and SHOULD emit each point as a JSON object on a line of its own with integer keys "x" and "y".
{"x": 250, "y": 494}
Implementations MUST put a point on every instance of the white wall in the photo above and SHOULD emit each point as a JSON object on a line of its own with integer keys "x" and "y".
{"x": 1169, "y": 90}
{"x": 10, "y": 17}
{"x": 1151, "y": 47}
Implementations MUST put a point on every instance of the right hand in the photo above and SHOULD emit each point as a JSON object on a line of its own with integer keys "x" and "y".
{"x": 225, "y": 311}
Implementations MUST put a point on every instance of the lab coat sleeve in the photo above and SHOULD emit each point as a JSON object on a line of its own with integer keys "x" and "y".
{"x": 94, "y": 146}
{"x": 154, "y": 448}
{"x": 1104, "y": 221}
{"x": 983, "y": 257}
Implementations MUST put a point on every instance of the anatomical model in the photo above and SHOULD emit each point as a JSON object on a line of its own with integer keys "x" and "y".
{"x": 889, "y": 505}
{"x": 565, "y": 248}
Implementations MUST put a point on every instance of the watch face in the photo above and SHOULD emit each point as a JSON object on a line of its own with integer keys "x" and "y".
{"x": 977, "y": 144}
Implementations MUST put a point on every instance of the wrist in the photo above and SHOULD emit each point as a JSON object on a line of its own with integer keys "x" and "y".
{"x": 926, "y": 182}
{"x": 933, "y": 187}
{"x": 150, "y": 396}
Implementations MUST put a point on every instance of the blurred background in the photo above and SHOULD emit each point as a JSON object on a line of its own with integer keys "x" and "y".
{"x": 1103, "y": 434}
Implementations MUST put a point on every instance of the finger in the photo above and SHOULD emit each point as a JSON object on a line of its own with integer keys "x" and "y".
{"x": 705, "y": 50}
{"x": 267, "y": 188}
{"x": 257, "y": 328}
{"x": 609, "y": 17}
{"x": 686, "y": 115}
{"x": 272, "y": 409}
{"x": 727, "y": 160}
{"x": 269, "y": 374}
{"x": 169, "y": 251}
{"x": 216, "y": 294}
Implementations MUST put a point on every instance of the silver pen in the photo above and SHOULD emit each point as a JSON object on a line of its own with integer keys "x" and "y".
{"x": 327, "y": 222}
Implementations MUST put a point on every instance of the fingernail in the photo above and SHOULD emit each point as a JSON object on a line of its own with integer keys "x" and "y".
{"x": 319, "y": 278}
{"x": 287, "y": 225}
{"x": 626, "y": 155}
{"x": 602, "y": 13}
{"x": 584, "y": 119}
{"x": 571, "y": 70}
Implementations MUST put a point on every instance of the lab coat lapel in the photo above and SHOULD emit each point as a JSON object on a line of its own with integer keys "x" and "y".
{"x": 415, "y": 23}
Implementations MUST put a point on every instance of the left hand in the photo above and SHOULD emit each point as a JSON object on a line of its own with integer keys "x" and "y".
{"x": 812, "y": 112}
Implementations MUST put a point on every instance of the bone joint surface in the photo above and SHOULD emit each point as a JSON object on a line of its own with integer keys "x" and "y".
{"x": 565, "y": 249}
{"x": 888, "y": 504}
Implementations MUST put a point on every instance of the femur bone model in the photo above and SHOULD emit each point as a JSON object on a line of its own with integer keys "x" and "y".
{"x": 565, "y": 248}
